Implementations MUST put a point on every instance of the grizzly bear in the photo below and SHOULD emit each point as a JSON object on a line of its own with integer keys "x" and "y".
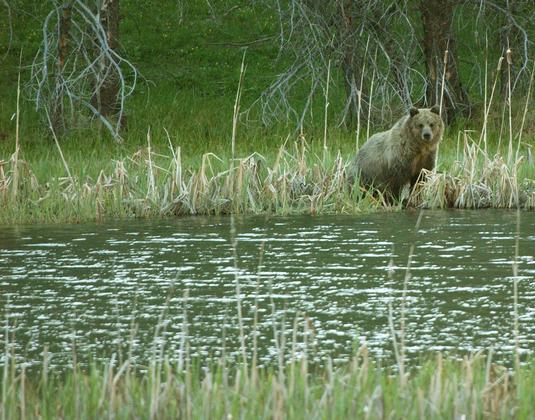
{"x": 391, "y": 159}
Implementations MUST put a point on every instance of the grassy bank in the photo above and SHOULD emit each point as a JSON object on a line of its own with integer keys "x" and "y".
{"x": 176, "y": 156}
{"x": 442, "y": 388}
{"x": 292, "y": 175}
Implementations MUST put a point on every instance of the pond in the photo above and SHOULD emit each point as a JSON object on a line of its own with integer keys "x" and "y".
{"x": 321, "y": 285}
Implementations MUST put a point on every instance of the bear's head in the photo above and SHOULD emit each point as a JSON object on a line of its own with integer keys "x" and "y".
{"x": 426, "y": 125}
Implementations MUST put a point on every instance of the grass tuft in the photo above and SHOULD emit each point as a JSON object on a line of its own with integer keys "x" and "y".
{"x": 473, "y": 387}
{"x": 297, "y": 179}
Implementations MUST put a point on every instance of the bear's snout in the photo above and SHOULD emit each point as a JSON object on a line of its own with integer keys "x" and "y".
{"x": 427, "y": 135}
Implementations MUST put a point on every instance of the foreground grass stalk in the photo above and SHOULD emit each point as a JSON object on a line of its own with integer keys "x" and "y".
{"x": 515, "y": 294}
{"x": 234, "y": 245}
{"x": 441, "y": 388}
{"x": 485, "y": 96}
{"x": 391, "y": 325}
{"x": 326, "y": 111}
{"x": 441, "y": 100}
{"x": 151, "y": 184}
{"x": 484, "y": 131}
{"x": 370, "y": 102}
{"x": 15, "y": 157}
{"x": 359, "y": 96}
{"x": 56, "y": 141}
{"x": 5, "y": 372}
{"x": 524, "y": 114}
{"x": 236, "y": 113}
{"x": 254, "y": 359}
{"x": 406, "y": 279}
{"x": 508, "y": 55}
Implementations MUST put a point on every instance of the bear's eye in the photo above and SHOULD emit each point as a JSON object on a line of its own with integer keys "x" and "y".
{"x": 421, "y": 125}
{"x": 431, "y": 125}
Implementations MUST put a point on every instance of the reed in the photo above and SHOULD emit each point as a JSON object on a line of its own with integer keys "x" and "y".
{"x": 294, "y": 180}
{"x": 473, "y": 387}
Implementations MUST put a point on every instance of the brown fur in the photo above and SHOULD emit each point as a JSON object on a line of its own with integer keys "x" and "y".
{"x": 391, "y": 159}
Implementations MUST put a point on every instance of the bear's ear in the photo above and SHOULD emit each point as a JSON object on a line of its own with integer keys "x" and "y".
{"x": 435, "y": 109}
{"x": 414, "y": 111}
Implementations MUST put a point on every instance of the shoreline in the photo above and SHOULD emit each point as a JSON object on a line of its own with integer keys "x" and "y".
{"x": 149, "y": 184}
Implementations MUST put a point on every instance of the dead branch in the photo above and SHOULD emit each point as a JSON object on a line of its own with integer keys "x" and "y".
{"x": 73, "y": 64}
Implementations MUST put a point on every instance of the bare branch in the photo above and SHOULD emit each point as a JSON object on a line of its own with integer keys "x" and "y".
{"x": 312, "y": 33}
{"x": 74, "y": 62}
{"x": 345, "y": 33}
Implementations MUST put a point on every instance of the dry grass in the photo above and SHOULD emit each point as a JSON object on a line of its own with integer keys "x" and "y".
{"x": 295, "y": 180}
{"x": 473, "y": 387}
{"x": 477, "y": 180}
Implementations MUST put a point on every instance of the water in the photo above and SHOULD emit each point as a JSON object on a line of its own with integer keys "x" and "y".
{"x": 96, "y": 289}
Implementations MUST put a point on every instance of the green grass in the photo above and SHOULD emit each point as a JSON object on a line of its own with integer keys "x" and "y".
{"x": 441, "y": 388}
{"x": 290, "y": 176}
{"x": 191, "y": 67}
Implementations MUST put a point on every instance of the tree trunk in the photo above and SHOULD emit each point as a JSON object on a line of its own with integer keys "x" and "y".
{"x": 64, "y": 28}
{"x": 352, "y": 62}
{"x": 437, "y": 19}
{"x": 58, "y": 117}
{"x": 107, "y": 95}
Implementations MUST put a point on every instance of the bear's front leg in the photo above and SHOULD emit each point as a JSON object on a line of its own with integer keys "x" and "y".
{"x": 428, "y": 162}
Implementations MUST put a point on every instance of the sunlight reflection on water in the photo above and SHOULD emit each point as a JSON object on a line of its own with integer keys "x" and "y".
{"x": 87, "y": 285}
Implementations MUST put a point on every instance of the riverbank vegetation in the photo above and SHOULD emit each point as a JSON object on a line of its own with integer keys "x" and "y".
{"x": 214, "y": 126}
{"x": 258, "y": 107}
{"x": 295, "y": 178}
{"x": 473, "y": 387}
